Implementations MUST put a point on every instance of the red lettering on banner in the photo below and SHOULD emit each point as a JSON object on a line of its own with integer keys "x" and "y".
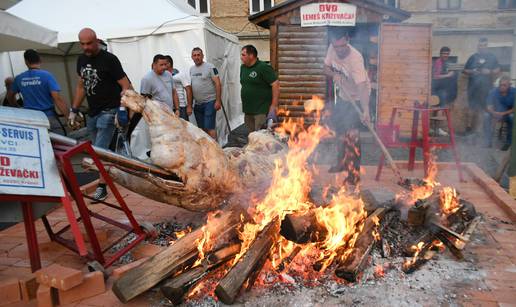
{"x": 5, "y": 161}
{"x": 327, "y": 7}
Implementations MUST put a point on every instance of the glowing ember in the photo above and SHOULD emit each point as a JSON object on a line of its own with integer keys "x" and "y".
{"x": 376, "y": 233}
{"x": 379, "y": 272}
{"x": 180, "y": 234}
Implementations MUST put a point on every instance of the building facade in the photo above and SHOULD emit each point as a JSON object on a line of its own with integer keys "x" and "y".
{"x": 459, "y": 24}
{"x": 456, "y": 23}
{"x": 232, "y": 17}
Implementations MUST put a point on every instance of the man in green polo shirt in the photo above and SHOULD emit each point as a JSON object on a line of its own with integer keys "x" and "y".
{"x": 260, "y": 89}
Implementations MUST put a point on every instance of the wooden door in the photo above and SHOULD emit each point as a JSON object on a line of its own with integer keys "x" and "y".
{"x": 405, "y": 70}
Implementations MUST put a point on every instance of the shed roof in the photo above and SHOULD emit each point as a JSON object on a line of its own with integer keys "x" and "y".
{"x": 264, "y": 18}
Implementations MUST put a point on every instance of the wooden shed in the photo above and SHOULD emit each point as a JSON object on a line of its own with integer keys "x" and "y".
{"x": 397, "y": 56}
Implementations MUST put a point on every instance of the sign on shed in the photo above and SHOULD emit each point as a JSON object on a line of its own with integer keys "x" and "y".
{"x": 27, "y": 163}
{"x": 328, "y": 14}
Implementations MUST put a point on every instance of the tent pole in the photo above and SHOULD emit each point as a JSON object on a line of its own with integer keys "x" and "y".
{"x": 67, "y": 73}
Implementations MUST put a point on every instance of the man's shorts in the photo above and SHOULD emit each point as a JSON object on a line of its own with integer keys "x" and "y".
{"x": 205, "y": 115}
{"x": 101, "y": 128}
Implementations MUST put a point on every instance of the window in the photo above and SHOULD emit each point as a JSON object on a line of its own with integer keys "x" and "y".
{"x": 256, "y": 6}
{"x": 507, "y": 4}
{"x": 393, "y": 3}
{"x": 201, "y": 6}
{"x": 448, "y": 4}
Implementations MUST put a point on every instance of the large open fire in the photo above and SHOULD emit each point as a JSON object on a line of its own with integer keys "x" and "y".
{"x": 344, "y": 226}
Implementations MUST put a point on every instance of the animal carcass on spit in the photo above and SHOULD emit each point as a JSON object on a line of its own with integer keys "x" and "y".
{"x": 209, "y": 174}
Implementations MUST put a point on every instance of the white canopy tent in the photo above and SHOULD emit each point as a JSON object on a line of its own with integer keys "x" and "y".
{"x": 19, "y": 34}
{"x": 135, "y": 31}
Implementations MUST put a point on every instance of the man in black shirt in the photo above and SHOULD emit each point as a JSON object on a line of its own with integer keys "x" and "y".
{"x": 482, "y": 69}
{"x": 102, "y": 80}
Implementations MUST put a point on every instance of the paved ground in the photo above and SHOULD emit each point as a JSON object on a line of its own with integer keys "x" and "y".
{"x": 494, "y": 255}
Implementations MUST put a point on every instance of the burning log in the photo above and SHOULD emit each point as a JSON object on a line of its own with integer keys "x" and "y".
{"x": 465, "y": 213}
{"x": 447, "y": 230}
{"x": 412, "y": 266}
{"x": 354, "y": 264}
{"x": 449, "y": 244}
{"x": 417, "y": 213}
{"x": 171, "y": 260}
{"x": 302, "y": 228}
{"x": 252, "y": 261}
{"x": 426, "y": 237}
{"x": 468, "y": 232}
{"x": 179, "y": 285}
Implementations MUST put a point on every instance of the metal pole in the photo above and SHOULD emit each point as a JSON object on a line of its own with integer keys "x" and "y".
{"x": 225, "y": 116}
{"x": 110, "y": 156}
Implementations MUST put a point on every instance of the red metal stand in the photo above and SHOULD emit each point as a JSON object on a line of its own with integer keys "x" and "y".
{"x": 426, "y": 142}
{"x": 63, "y": 154}
{"x": 30, "y": 229}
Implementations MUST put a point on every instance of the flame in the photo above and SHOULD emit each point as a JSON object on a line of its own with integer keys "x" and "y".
{"x": 449, "y": 200}
{"x": 343, "y": 220}
{"x": 290, "y": 185}
{"x": 416, "y": 249}
{"x": 422, "y": 191}
{"x": 204, "y": 243}
{"x": 182, "y": 233}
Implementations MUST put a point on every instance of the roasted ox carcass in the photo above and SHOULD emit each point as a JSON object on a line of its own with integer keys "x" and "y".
{"x": 208, "y": 174}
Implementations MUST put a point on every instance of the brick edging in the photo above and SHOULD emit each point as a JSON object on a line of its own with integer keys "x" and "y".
{"x": 502, "y": 199}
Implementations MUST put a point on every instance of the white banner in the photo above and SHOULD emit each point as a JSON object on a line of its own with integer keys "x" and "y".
{"x": 27, "y": 164}
{"x": 328, "y": 14}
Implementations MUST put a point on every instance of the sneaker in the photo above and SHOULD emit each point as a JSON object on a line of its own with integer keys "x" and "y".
{"x": 505, "y": 147}
{"x": 100, "y": 195}
{"x": 441, "y": 132}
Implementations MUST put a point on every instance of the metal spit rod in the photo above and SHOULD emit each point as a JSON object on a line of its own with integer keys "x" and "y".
{"x": 110, "y": 156}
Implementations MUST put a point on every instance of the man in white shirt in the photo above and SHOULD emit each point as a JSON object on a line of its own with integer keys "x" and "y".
{"x": 345, "y": 66}
{"x": 183, "y": 87}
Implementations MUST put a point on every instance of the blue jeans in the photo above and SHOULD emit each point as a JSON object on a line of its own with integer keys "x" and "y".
{"x": 101, "y": 128}
{"x": 488, "y": 127}
{"x": 205, "y": 115}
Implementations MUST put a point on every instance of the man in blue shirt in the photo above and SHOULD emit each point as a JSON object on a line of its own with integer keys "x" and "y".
{"x": 500, "y": 102}
{"x": 39, "y": 90}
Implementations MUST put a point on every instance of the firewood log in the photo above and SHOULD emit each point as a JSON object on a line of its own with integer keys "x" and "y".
{"x": 421, "y": 259}
{"x": 351, "y": 267}
{"x": 302, "y": 228}
{"x": 252, "y": 261}
{"x": 175, "y": 288}
{"x": 174, "y": 258}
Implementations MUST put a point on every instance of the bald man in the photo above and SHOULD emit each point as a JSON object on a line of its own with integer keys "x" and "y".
{"x": 102, "y": 80}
